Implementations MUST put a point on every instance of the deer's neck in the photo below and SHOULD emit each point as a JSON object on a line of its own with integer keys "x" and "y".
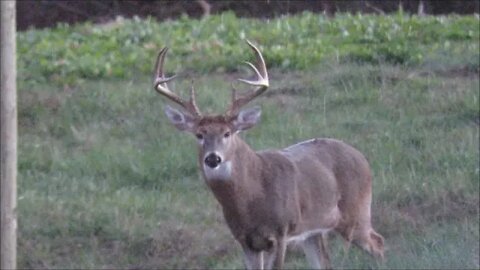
{"x": 244, "y": 184}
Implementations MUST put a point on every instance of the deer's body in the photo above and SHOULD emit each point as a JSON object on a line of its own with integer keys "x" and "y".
{"x": 300, "y": 192}
{"x": 273, "y": 197}
{"x": 278, "y": 196}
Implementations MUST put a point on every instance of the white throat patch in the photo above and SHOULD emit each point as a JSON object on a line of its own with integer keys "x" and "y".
{"x": 223, "y": 172}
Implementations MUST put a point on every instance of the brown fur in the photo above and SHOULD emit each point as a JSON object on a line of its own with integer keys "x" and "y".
{"x": 276, "y": 194}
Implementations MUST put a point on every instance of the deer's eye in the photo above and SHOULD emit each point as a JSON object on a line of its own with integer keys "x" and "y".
{"x": 199, "y": 136}
{"x": 227, "y": 134}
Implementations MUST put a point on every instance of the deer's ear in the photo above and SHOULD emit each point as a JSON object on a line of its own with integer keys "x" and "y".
{"x": 246, "y": 118}
{"x": 182, "y": 121}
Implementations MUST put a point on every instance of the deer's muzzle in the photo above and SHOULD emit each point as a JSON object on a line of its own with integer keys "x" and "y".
{"x": 212, "y": 160}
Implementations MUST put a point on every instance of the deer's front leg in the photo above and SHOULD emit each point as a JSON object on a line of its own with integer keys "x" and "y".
{"x": 276, "y": 256}
{"x": 252, "y": 259}
{"x": 316, "y": 251}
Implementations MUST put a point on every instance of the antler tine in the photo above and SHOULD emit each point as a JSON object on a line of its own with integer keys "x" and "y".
{"x": 160, "y": 85}
{"x": 192, "y": 101}
{"x": 261, "y": 83}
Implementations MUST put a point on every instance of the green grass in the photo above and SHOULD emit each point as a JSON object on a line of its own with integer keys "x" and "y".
{"x": 106, "y": 182}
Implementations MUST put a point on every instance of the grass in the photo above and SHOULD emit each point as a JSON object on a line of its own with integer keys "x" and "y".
{"x": 106, "y": 182}
{"x": 104, "y": 176}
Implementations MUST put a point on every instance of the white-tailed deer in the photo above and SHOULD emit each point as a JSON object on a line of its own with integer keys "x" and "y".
{"x": 273, "y": 197}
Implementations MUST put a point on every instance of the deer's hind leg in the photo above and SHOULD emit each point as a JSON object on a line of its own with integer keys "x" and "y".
{"x": 370, "y": 241}
{"x": 355, "y": 225}
{"x": 361, "y": 233}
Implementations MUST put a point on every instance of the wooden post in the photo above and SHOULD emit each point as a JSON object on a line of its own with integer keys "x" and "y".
{"x": 8, "y": 140}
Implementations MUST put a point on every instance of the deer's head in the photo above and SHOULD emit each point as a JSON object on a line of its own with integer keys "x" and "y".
{"x": 216, "y": 135}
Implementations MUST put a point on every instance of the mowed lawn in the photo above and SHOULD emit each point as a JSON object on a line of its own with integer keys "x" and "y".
{"x": 106, "y": 182}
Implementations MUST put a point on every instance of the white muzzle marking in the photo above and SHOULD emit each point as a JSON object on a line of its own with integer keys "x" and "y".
{"x": 222, "y": 172}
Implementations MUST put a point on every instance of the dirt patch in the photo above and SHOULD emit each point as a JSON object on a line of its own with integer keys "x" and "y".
{"x": 419, "y": 215}
{"x": 455, "y": 72}
{"x": 465, "y": 71}
{"x": 173, "y": 246}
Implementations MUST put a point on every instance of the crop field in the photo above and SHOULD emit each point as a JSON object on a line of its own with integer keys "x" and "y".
{"x": 106, "y": 182}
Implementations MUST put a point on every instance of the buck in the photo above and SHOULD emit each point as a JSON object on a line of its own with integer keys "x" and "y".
{"x": 274, "y": 197}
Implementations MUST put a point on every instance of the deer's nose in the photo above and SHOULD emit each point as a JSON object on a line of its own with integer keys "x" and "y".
{"x": 212, "y": 160}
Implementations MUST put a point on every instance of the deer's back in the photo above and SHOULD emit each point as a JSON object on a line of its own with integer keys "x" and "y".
{"x": 329, "y": 173}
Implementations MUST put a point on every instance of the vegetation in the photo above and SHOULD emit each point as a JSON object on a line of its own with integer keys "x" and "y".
{"x": 106, "y": 182}
{"x": 126, "y": 48}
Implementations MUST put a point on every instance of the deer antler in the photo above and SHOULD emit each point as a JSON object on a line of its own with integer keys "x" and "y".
{"x": 261, "y": 83}
{"x": 160, "y": 85}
